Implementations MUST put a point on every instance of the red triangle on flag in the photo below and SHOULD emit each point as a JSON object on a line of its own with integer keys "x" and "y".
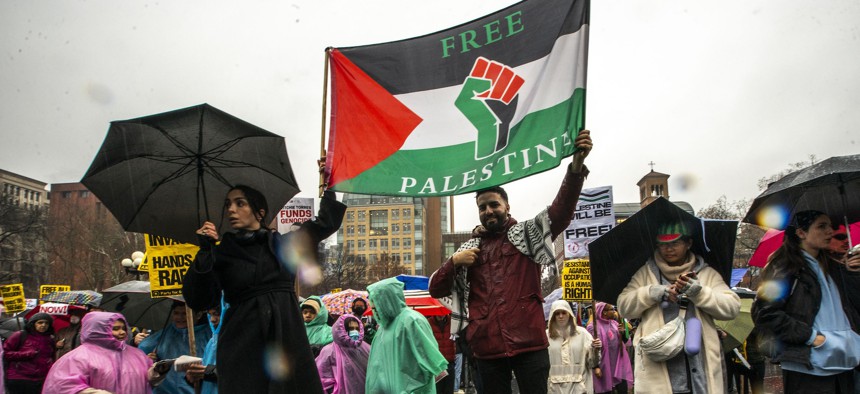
{"x": 368, "y": 124}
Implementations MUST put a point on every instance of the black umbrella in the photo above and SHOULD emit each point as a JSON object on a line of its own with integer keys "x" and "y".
{"x": 831, "y": 186}
{"x": 165, "y": 174}
{"x": 619, "y": 253}
{"x": 133, "y": 300}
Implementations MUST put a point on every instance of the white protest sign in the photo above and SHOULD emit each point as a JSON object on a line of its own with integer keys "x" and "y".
{"x": 594, "y": 216}
{"x": 297, "y": 210}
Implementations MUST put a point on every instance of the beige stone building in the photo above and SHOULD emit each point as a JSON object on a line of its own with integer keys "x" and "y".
{"x": 23, "y": 249}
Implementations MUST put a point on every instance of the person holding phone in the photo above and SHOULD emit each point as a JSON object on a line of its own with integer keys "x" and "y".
{"x": 675, "y": 282}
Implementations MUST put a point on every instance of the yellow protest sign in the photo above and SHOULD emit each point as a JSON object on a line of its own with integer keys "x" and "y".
{"x": 336, "y": 290}
{"x": 576, "y": 280}
{"x": 168, "y": 260}
{"x": 13, "y": 298}
{"x": 44, "y": 290}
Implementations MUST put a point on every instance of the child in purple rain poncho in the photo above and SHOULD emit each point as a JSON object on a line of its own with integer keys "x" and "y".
{"x": 104, "y": 362}
{"x": 342, "y": 364}
{"x": 615, "y": 362}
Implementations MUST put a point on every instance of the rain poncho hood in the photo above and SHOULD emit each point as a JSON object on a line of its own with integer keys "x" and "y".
{"x": 172, "y": 342}
{"x": 615, "y": 361}
{"x": 319, "y": 333}
{"x": 101, "y": 362}
{"x": 405, "y": 357}
{"x": 343, "y": 363}
{"x": 562, "y": 305}
{"x": 212, "y": 349}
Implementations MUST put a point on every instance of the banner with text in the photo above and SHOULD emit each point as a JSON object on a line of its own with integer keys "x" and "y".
{"x": 168, "y": 260}
{"x": 13, "y": 298}
{"x": 594, "y": 216}
{"x": 54, "y": 309}
{"x": 44, "y": 290}
{"x": 298, "y": 210}
{"x": 576, "y": 280}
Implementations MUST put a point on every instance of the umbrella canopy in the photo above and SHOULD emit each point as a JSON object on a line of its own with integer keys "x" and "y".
{"x": 75, "y": 297}
{"x": 619, "y": 253}
{"x": 414, "y": 282}
{"x": 133, "y": 301}
{"x": 831, "y": 186}
{"x": 739, "y": 328}
{"x": 9, "y": 325}
{"x": 549, "y": 299}
{"x": 165, "y": 174}
{"x": 58, "y": 311}
{"x": 772, "y": 239}
{"x": 421, "y": 301}
{"x": 341, "y": 302}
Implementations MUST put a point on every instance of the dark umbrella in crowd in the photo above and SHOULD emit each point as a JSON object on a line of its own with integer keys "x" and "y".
{"x": 75, "y": 297}
{"x": 831, "y": 186}
{"x": 619, "y": 253}
{"x": 133, "y": 300}
{"x": 165, "y": 174}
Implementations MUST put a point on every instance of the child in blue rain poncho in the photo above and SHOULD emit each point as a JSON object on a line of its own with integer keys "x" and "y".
{"x": 405, "y": 357}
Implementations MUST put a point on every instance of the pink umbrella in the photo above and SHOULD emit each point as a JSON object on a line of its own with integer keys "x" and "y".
{"x": 773, "y": 238}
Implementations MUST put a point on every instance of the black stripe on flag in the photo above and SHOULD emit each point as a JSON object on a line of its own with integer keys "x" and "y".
{"x": 418, "y": 64}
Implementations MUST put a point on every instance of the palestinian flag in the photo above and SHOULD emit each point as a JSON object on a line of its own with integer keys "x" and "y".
{"x": 481, "y": 104}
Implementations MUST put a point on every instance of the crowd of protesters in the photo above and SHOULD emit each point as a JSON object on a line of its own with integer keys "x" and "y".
{"x": 259, "y": 338}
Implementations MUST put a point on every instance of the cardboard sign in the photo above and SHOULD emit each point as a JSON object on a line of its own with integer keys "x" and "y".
{"x": 576, "y": 280}
{"x": 594, "y": 216}
{"x": 13, "y": 298}
{"x": 44, "y": 290}
{"x": 168, "y": 261}
{"x": 297, "y": 210}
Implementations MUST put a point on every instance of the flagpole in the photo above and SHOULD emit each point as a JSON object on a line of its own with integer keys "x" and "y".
{"x": 323, "y": 185}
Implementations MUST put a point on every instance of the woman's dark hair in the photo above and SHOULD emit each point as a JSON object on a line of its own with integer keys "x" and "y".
{"x": 255, "y": 199}
{"x": 789, "y": 255}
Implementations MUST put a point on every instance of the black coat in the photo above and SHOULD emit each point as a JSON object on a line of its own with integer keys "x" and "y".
{"x": 785, "y": 322}
{"x": 264, "y": 312}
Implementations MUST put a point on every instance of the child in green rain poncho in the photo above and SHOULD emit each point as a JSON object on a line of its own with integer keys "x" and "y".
{"x": 404, "y": 357}
{"x": 315, "y": 316}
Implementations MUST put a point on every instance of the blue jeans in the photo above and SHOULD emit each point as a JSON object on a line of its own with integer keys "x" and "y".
{"x": 458, "y": 370}
{"x": 531, "y": 370}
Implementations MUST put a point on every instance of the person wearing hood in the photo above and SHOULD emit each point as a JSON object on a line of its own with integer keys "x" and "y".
{"x": 29, "y": 355}
{"x": 69, "y": 337}
{"x": 617, "y": 373}
{"x": 315, "y": 316}
{"x": 359, "y": 306}
{"x": 342, "y": 364}
{"x": 573, "y": 352}
{"x": 172, "y": 342}
{"x": 104, "y": 362}
{"x": 206, "y": 372}
{"x": 404, "y": 357}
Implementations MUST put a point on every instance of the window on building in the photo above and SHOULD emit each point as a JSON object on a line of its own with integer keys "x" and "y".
{"x": 361, "y": 244}
{"x": 407, "y": 213}
{"x": 66, "y": 194}
{"x": 26, "y": 194}
{"x": 362, "y": 229}
{"x": 395, "y": 214}
{"x": 362, "y": 216}
{"x": 419, "y": 213}
{"x": 371, "y": 244}
{"x": 395, "y": 243}
{"x": 383, "y": 244}
{"x": 407, "y": 228}
{"x": 407, "y": 243}
{"x": 395, "y": 257}
{"x": 84, "y": 193}
{"x": 350, "y": 245}
{"x": 350, "y": 231}
{"x": 350, "y": 216}
{"x": 38, "y": 196}
{"x": 407, "y": 258}
{"x": 395, "y": 228}
{"x": 99, "y": 211}
{"x": 379, "y": 223}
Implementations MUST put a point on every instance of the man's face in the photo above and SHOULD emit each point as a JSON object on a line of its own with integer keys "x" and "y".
{"x": 179, "y": 317}
{"x": 215, "y": 317}
{"x": 493, "y": 211}
{"x": 308, "y": 314}
{"x": 839, "y": 241}
{"x": 675, "y": 252}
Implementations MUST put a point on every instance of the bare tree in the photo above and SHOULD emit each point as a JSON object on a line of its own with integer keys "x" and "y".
{"x": 748, "y": 234}
{"x": 792, "y": 167}
{"x": 384, "y": 265}
{"x": 22, "y": 245}
{"x": 343, "y": 269}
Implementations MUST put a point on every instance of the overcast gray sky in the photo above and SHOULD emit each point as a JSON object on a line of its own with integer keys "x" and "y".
{"x": 717, "y": 94}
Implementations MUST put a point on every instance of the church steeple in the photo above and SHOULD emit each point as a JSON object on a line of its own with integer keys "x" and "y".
{"x": 653, "y": 185}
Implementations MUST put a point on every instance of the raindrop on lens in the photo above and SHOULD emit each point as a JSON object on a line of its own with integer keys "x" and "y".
{"x": 276, "y": 363}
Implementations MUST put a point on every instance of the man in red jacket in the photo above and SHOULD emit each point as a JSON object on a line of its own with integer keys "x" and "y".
{"x": 498, "y": 272}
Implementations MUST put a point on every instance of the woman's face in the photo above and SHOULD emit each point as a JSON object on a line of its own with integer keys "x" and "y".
{"x": 42, "y": 325}
{"x": 561, "y": 317}
{"x": 352, "y": 325}
{"x": 817, "y": 237}
{"x": 609, "y": 312}
{"x": 179, "y": 316}
{"x": 239, "y": 213}
{"x": 118, "y": 330}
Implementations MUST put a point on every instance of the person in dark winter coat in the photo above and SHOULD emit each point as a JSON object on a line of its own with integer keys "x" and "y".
{"x": 441, "y": 326}
{"x": 262, "y": 347}
{"x": 802, "y": 310}
{"x": 29, "y": 355}
{"x": 501, "y": 267}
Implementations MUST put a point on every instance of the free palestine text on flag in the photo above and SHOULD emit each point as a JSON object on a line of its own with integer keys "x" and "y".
{"x": 481, "y": 104}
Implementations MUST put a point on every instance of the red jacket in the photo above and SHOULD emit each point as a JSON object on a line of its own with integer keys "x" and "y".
{"x": 505, "y": 303}
{"x": 442, "y": 333}
{"x": 30, "y": 360}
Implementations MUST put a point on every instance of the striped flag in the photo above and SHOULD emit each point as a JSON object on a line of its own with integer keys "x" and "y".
{"x": 481, "y": 104}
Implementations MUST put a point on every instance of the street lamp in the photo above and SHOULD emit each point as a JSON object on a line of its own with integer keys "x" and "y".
{"x": 131, "y": 264}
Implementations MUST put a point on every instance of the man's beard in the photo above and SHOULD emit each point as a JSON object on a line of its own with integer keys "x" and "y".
{"x": 495, "y": 227}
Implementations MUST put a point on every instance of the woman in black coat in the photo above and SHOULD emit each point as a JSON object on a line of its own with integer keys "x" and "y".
{"x": 263, "y": 347}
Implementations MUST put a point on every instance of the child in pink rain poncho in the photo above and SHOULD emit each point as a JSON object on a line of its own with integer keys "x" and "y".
{"x": 616, "y": 372}
{"x": 104, "y": 362}
{"x": 342, "y": 364}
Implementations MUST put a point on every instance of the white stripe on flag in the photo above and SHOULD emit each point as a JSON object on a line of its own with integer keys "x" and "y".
{"x": 559, "y": 75}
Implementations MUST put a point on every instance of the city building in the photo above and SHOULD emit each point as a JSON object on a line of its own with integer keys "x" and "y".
{"x": 23, "y": 250}
{"x": 404, "y": 229}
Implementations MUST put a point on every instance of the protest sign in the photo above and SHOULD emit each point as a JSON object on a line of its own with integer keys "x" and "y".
{"x": 54, "y": 309}
{"x": 48, "y": 289}
{"x": 168, "y": 260}
{"x": 594, "y": 216}
{"x": 297, "y": 210}
{"x": 13, "y": 298}
{"x": 576, "y": 280}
